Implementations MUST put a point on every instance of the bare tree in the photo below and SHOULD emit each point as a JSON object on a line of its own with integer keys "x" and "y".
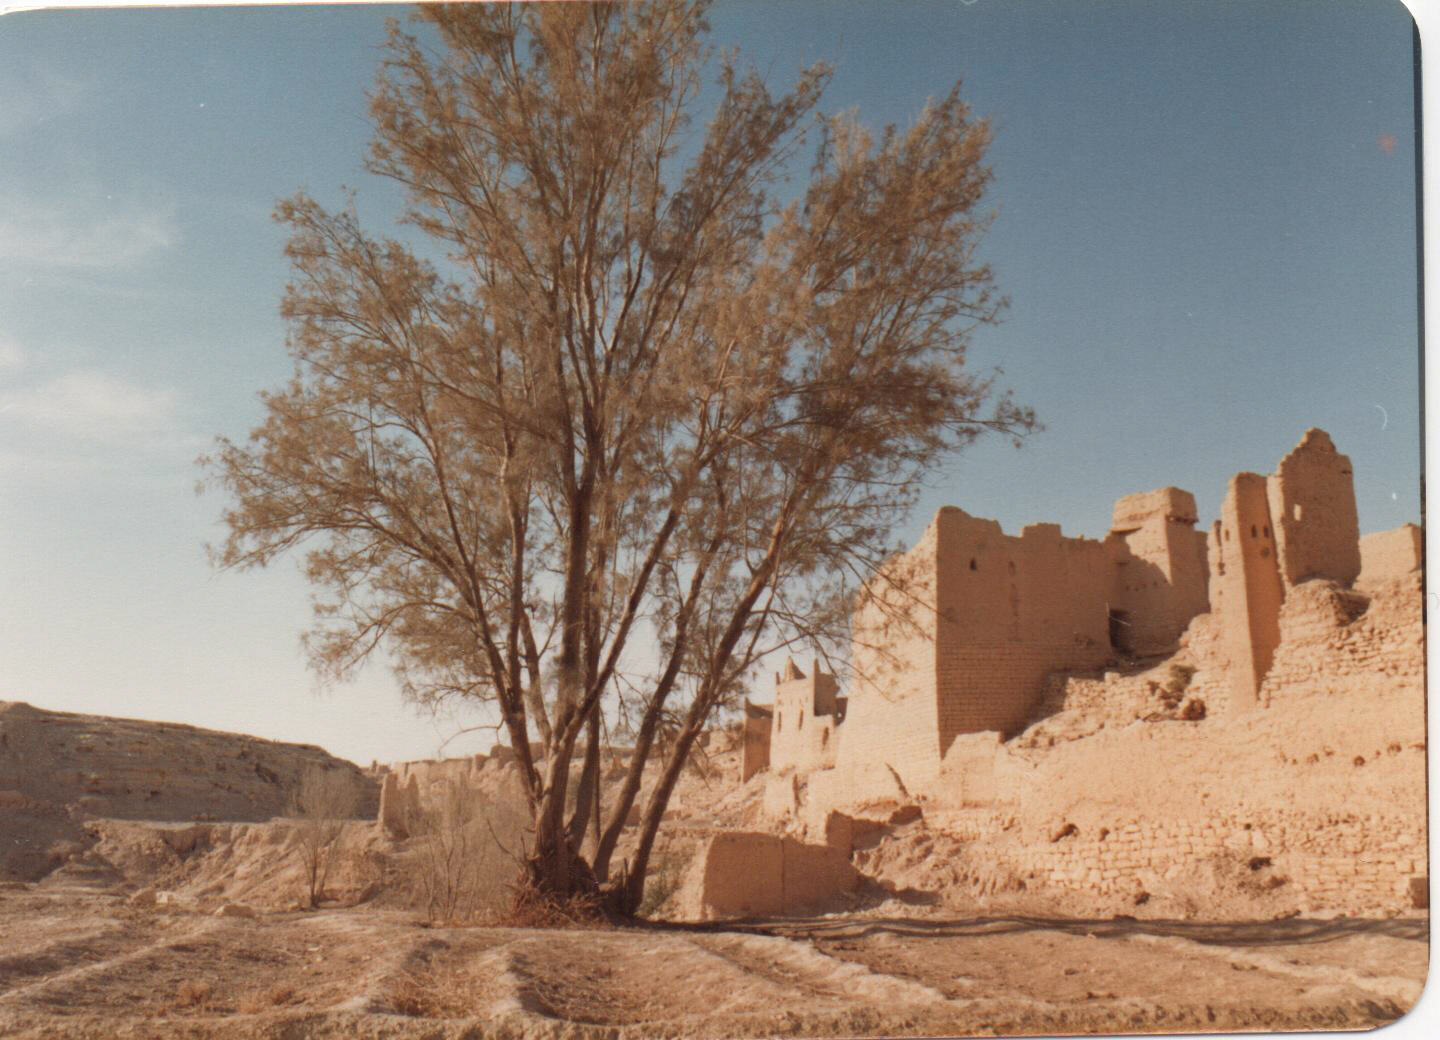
{"x": 634, "y": 421}
{"x": 324, "y": 801}
{"x": 464, "y": 853}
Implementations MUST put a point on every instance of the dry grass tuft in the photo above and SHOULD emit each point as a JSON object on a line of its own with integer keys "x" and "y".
{"x": 263, "y": 1000}
{"x": 193, "y": 994}
{"x": 433, "y": 993}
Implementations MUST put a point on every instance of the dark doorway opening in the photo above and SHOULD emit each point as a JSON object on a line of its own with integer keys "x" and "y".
{"x": 1120, "y": 631}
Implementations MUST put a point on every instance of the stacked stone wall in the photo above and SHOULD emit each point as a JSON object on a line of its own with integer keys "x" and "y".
{"x": 1312, "y": 862}
{"x": 1331, "y": 637}
{"x": 1313, "y": 801}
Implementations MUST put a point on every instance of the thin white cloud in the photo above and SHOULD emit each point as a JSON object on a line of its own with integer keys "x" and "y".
{"x": 31, "y": 96}
{"x": 91, "y": 404}
{"x": 98, "y": 234}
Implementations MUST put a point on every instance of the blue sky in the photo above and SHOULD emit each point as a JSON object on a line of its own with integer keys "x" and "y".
{"x": 1205, "y": 225}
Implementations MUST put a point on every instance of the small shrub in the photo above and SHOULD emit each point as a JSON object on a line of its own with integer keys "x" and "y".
{"x": 433, "y": 991}
{"x": 325, "y": 800}
{"x": 192, "y": 994}
{"x": 259, "y": 1001}
{"x": 464, "y": 854}
{"x": 412, "y": 996}
{"x": 1180, "y": 676}
{"x": 659, "y": 887}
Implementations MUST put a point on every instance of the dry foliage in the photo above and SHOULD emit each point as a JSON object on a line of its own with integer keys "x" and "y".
{"x": 324, "y": 801}
{"x": 625, "y": 394}
{"x": 193, "y": 994}
{"x": 433, "y": 992}
{"x": 533, "y": 908}
{"x": 260, "y": 1001}
{"x": 465, "y": 855}
{"x": 665, "y": 880}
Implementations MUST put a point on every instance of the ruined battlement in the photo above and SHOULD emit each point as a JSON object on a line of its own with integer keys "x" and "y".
{"x": 806, "y": 714}
{"x": 960, "y": 634}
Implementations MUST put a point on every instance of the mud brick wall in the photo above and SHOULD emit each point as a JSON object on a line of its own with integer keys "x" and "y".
{"x": 880, "y": 735}
{"x": 411, "y": 789}
{"x": 890, "y": 714}
{"x": 744, "y": 874}
{"x": 996, "y": 687}
{"x": 755, "y": 736}
{"x": 805, "y": 717}
{"x": 1011, "y": 610}
{"x": 430, "y": 772}
{"x": 1312, "y": 507}
{"x": 1246, "y": 587}
{"x": 1159, "y": 574}
{"x": 1386, "y": 555}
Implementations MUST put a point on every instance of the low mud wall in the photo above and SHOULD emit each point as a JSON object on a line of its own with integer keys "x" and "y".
{"x": 748, "y": 874}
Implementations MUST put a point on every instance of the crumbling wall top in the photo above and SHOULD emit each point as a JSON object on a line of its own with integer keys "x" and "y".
{"x": 1167, "y": 503}
{"x": 1312, "y": 506}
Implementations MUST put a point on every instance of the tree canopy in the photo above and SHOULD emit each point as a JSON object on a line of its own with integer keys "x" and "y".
{"x": 644, "y": 413}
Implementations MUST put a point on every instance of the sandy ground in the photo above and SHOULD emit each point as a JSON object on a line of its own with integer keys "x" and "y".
{"x": 81, "y": 962}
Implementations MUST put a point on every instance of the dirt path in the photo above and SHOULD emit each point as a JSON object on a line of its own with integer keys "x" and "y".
{"x": 86, "y": 965}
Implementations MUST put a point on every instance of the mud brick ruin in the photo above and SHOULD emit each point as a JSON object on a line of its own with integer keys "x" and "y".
{"x": 987, "y": 668}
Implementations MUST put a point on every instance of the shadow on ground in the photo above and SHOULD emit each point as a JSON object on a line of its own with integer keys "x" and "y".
{"x": 1221, "y": 933}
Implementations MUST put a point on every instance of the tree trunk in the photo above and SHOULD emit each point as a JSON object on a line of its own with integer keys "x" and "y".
{"x": 644, "y": 739}
{"x": 655, "y": 811}
{"x": 588, "y": 789}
